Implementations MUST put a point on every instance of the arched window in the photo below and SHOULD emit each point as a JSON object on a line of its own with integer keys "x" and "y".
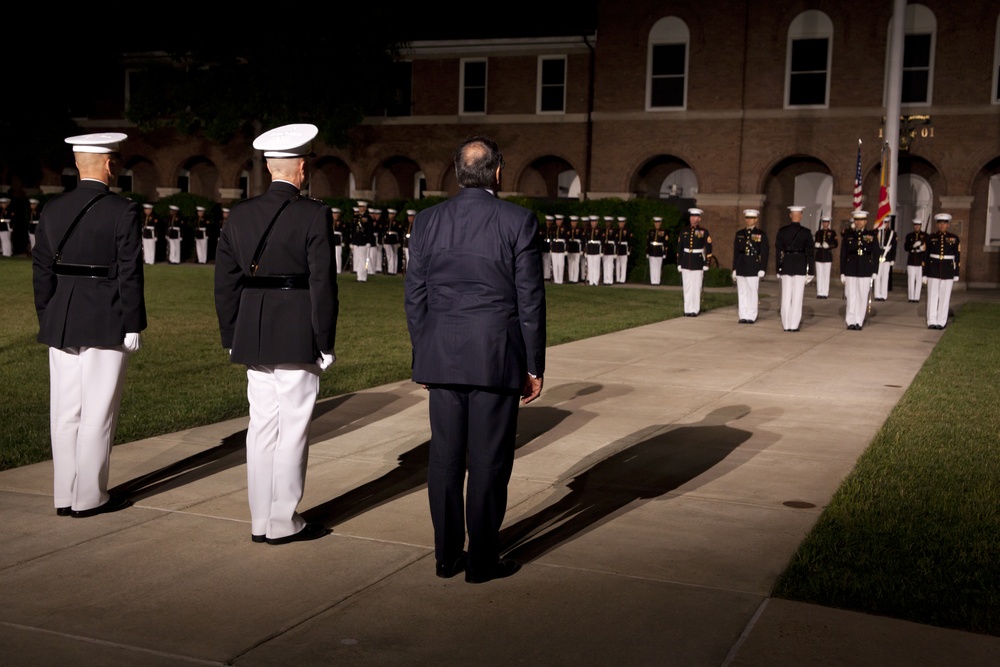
{"x": 666, "y": 66}
{"x": 807, "y": 76}
{"x": 996, "y": 66}
{"x": 918, "y": 54}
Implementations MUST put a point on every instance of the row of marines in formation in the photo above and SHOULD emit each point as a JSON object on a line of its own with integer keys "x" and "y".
{"x": 866, "y": 260}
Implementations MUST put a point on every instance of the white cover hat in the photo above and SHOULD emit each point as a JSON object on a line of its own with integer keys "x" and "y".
{"x": 287, "y": 141}
{"x": 796, "y": 209}
{"x": 695, "y": 211}
{"x": 750, "y": 213}
{"x": 942, "y": 217}
{"x": 98, "y": 142}
{"x": 860, "y": 214}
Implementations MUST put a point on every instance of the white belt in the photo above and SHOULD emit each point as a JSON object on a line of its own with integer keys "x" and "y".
{"x": 942, "y": 257}
{"x": 697, "y": 251}
{"x": 657, "y": 243}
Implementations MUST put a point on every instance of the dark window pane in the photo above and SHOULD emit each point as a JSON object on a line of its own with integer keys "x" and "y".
{"x": 915, "y": 86}
{"x": 917, "y": 51}
{"x": 552, "y": 98}
{"x": 475, "y": 74}
{"x": 668, "y": 59}
{"x": 553, "y": 71}
{"x": 807, "y": 89}
{"x": 809, "y": 55}
{"x": 667, "y": 92}
{"x": 475, "y": 100}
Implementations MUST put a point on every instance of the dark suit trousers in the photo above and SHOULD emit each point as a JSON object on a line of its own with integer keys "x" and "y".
{"x": 471, "y": 426}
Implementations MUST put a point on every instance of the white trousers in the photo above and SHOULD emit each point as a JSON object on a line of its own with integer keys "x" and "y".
{"x": 359, "y": 259}
{"x": 558, "y": 267}
{"x": 375, "y": 258}
{"x": 792, "y": 290}
{"x": 338, "y": 256}
{"x": 691, "y": 280}
{"x": 938, "y": 301}
{"x": 655, "y": 270}
{"x": 856, "y": 291}
{"x": 201, "y": 249}
{"x": 573, "y": 261}
{"x": 608, "y": 262}
{"x": 281, "y": 399}
{"x": 621, "y": 268}
{"x": 882, "y": 281}
{"x": 31, "y": 241}
{"x": 5, "y": 247}
{"x": 85, "y": 392}
{"x": 747, "y": 289}
{"x": 914, "y": 282}
{"x": 149, "y": 250}
{"x": 546, "y": 266}
{"x": 174, "y": 251}
{"x": 823, "y": 278}
{"x": 593, "y": 269}
{"x": 391, "y": 258}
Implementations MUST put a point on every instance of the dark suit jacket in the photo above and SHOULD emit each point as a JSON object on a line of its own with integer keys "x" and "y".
{"x": 89, "y": 312}
{"x": 475, "y": 296}
{"x": 277, "y": 326}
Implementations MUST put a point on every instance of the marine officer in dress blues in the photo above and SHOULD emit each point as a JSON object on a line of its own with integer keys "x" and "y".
{"x": 944, "y": 257}
{"x": 915, "y": 246}
{"x": 656, "y": 249}
{"x": 694, "y": 250}
{"x": 88, "y": 285}
{"x": 824, "y": 243}
{"x": 750, "y": 253}
{"x": 276, "y": 300}
{"x": 858, "y": 268}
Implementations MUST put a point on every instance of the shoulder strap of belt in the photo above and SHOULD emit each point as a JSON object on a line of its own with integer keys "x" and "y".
{"x": 79, "y": 217}
{"x": 267, "y": 232}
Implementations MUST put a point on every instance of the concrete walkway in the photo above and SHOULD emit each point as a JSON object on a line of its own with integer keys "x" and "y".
{"x": 661, "y": 485}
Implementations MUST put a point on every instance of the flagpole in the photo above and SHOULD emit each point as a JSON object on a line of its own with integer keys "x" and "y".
{"x": 894, "y": 95}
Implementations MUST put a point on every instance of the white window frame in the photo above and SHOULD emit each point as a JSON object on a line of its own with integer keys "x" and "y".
{"x": 992, "y": 239}
{"x": 541, "y": 86}
{"x": 668, "y": 31}
{"x": 810, "y": 24}
{"x": 995, "y": 98}
{"x": 462, "y": 86}
{"x": 920, "y": 20}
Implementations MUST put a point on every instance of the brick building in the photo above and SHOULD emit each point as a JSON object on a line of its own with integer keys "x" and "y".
{"x": 734, "y": 104}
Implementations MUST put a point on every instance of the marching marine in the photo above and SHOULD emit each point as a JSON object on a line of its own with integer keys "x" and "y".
{"x": 793, "y": 246}
{"x": 750, "y": 253}
{"x": 623, "y": 245}
{"x": 944, "y": 255}
{"x": 825, "y": 243}
{"x": 595, "y": 241}
{"x": 858, "y": 268}
{"x": 149, "y": 224}
{"x": 656, "y": 247}
{"x": 886, "y": 237}
{"x": 574, "y": 249}
{"x": 694, "y": 251}
{"x": 915, "y": 246}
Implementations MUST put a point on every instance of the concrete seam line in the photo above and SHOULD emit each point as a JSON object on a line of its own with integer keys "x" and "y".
{"x": 745, "y": 634}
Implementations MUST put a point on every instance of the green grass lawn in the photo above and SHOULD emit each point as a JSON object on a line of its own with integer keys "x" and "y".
{"x": 914, "y": 531}
{"x": 182, "y": 376}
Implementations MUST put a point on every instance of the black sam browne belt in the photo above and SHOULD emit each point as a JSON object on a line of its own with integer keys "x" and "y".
{"x": 292, "y": 281}
{"x": 80, "y": 270}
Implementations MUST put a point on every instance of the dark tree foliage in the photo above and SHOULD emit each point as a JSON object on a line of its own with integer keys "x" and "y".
{"x": 240, "y": 84}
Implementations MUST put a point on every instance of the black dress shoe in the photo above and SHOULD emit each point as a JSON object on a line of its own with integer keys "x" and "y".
{"x": 447, "y": 570}
{"x": 116, "y": 503}
{"x": 503, "y": 568}
{"x": 64, "y": 511}
{"x": 312, "y": 531}
{"x": 259, "y": 539}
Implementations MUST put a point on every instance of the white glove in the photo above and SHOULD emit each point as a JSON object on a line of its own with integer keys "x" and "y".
{"x": 325, "y": 360}
{"x": 955, "y": 279}
{"x": 809, "y": 279}
{"x": 826, "y": 245}
{"x": 704, "y": 268}
{"x": 734, "y": 276}
{"x": 817, "y": 244}
{"x": 892, "y": 263}
{"x": 133, "y": 342}
{"x": 924, "y": 280}
{"x": 760, "y": 274}
{"x": 874, "y": 276}
{"x": 843, "y": 279}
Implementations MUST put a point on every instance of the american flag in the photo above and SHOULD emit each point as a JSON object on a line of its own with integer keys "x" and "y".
{"x": 857, "y": 181}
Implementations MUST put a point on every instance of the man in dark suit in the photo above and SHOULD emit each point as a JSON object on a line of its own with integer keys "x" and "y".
{"x": 475, "y": 308}
{"x": 276, "y": 298}
{"x": 88, "y": 284}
